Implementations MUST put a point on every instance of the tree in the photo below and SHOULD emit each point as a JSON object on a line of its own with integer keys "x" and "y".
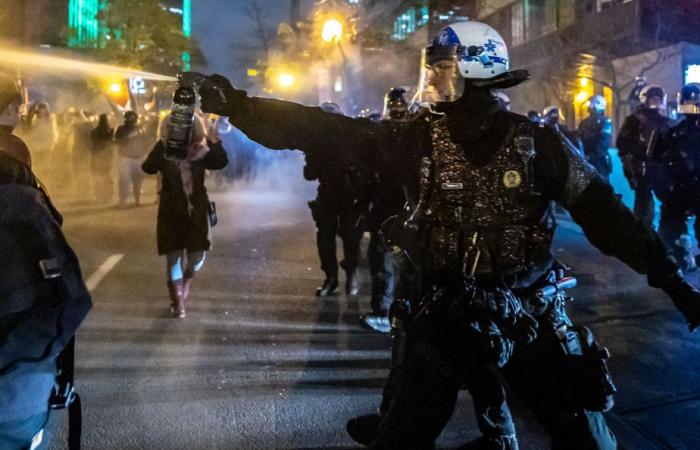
{"x": 143, "y": 34}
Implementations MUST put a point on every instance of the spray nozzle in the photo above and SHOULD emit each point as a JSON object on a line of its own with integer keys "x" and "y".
{"x": 199, "y": 80}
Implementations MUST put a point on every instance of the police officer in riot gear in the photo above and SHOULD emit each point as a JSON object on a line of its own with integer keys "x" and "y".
{"x": 635, "y": 99}
{"x": 596, "y": 135}
{"x": 336, "y": 211}
{"x": 484, "y": 180}
{"x": 677, "y": 152}
{"x": 387, "y": 200}
{"x": 552, "y": 116}
{"x": 633, "y": 144}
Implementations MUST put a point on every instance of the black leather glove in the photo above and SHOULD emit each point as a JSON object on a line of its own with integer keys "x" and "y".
{"x": 507, "y": 311}
{"x": 686, "y": 298}
{"x": 219, "y": 96}
{"x": 522, "y": 329}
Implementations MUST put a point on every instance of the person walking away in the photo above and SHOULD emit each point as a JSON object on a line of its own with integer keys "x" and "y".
{"x": 129, "y": 138}
{"x": 183, "y": 224}
{"x": 101, "y": 156}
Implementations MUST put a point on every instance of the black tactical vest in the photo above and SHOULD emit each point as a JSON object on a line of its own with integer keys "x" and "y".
{"x": 498, "y": 201}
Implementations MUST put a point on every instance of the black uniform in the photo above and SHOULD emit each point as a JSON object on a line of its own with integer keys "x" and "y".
{"x": 675, "y": 181}
{"x": 388, "y": 198}
{"x": 596, "y": 135}
{"x": 495, "y": 174}
{"x": 337, "y": 210}
{"x": 632, "y": 143}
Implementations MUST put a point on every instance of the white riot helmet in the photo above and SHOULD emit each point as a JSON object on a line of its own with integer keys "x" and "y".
{"x": 597, "y": 104}
{"x": 465, "y": 51}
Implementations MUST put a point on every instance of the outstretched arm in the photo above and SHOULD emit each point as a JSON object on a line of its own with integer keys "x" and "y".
{"x": 279, "y": 124}
{"x": 611, "y": 226}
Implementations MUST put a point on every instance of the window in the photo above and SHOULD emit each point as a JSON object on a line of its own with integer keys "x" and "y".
{"x": 566, "y": 13}
{"x": 517, "y": 26}
{"x": 410, "y": 20}
{"x": 540, "y": 18}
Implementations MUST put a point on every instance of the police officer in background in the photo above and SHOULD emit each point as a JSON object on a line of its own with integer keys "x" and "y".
{"x": 677, "y": 151}
{"x": 633, "y": 144}
{"x": 42, "y": 295}
{"x": 634, "y": 100}
{"x": 552, "y": 116}
{"x": 596, "y": 135}
{"x": 387, "y": 200}
{"x": 337, "y": 210}
{"x": 483, "y": 180}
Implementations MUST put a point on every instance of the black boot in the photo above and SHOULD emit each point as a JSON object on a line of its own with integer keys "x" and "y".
{"x": 352, "y": 287}
{"x": 330, "y": 287}
{"x": 363, "y": 429}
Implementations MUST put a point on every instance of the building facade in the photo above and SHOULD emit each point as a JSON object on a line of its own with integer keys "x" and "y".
{"x": 33, "y": 23}
{"x": 572, "y": 48}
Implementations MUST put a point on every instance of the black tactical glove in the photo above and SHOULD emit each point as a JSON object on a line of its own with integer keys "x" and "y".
{"x": 219, "y": 96}
{"x": 523, "y": 328}
{"x": 686, "y": 298}
{"x": 507, "y": 312}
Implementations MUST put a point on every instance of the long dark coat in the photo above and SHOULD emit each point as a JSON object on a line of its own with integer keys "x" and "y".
{"x": 177, "y": 229}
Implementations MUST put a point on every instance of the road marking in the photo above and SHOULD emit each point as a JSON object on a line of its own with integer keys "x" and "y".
{"x": 102, "y": 271}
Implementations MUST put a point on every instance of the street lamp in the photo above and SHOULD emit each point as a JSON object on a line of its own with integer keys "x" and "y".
{"x": 285, "y": 80}
{"x": 332, "y": 30}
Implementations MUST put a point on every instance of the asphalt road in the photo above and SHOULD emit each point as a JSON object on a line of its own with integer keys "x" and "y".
{"x": 260, "y": 363}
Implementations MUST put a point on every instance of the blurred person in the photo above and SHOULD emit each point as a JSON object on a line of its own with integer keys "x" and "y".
{"x": 387, "y": 200}
{"x": 131, "y": 147}
{"x": 635, "y": 96}
{"x": 534, "y": 116}
{"x": 633, "y": 144}
{"x": 183, "y": 225}
{"x": 42, "y": 138}
{"x": 337, "y": 211}
{"x": 553, "y": 117}
{"x": 81, "y": 146}
{"x": 502, "y": 100}
{"x": 675, "y": 174}
{"x": 595, "y": 132}
{"x": 44, "y": 298}
{"x": 101, "y": 157}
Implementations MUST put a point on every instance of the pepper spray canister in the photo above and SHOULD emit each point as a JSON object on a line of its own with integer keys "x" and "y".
{"x": 181, "y": 126}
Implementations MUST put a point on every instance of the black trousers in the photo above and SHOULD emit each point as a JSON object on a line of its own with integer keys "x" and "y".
{"x": 644, "y": 201}
{"x": 337, "y": 220}
{"x": 381, "y": 268}
{"x": 420, "y": 396}
{"x": 673, "y": 223}
{"x": 441, "y": 357}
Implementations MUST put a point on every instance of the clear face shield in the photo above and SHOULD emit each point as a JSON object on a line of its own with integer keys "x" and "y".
{"x": 440, "y": 80}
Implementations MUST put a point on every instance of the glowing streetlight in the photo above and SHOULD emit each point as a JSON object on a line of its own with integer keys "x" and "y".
{"x": 332, "y": 30}
{"x": 285, "y": 80}
{"x": 582, "y": 96}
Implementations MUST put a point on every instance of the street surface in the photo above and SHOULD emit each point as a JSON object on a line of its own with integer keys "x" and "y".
{"x": 260, "y": 363}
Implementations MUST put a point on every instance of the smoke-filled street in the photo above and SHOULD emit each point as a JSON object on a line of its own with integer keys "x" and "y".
{"x": 261, "y": 363}
{"x": 346, "y": 224}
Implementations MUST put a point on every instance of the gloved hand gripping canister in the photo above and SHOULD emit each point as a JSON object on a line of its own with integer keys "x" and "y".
{"x": 217, "y": 94}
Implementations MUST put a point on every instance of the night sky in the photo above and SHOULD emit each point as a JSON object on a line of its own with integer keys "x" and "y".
{"x": 222, "y": 28}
